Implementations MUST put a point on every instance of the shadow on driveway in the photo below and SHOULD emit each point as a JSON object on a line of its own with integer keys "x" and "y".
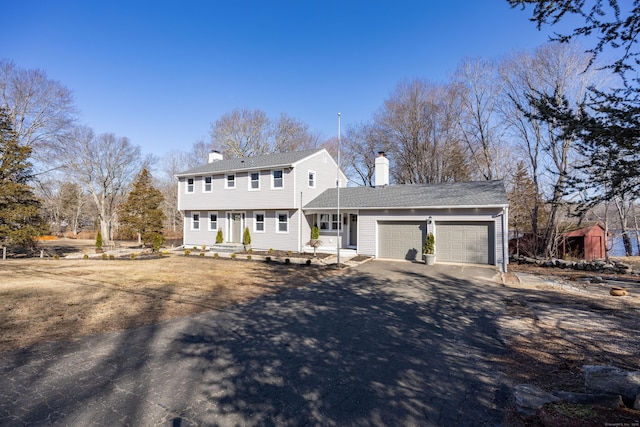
{"x": 384, "y": 345}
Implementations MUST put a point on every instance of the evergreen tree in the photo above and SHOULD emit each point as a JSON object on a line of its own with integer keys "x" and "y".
{"x": 607, "y": 127}
{"x": 141, "y": 214}
{"x": 20, "y": 219}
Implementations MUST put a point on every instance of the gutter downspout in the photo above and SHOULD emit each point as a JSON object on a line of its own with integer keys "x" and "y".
{"x": 300, "y": 225}
{"x": 505, "y": 237}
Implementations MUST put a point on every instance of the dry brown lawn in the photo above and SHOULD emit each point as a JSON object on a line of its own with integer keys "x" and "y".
{"x": 48, "y": 299}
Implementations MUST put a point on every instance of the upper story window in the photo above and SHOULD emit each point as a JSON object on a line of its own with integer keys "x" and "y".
{"x": 189, "y": 185}
{"x": 207, "y": 184}
{"x": 230, "y": 181}
{"x": 312, "y": 179}
{"x": 278, "y": 179}
{"x": 254, "y": 181}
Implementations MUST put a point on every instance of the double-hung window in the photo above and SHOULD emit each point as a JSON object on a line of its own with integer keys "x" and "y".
{"x": 312, "y": 179}
{"x": 189, "y": 185}
{"x": 282, "y": 222}
{"x": 278, "y": 179}
{"x": 195, "y": 221}
{"x": 258, "y": 222}
{"x": 330, "y": 222}
{"x": 230, "y": 181}
{"x": 207, "y": 184}
{"x": 213, "y": 221}
{"x": 254, "y": 181}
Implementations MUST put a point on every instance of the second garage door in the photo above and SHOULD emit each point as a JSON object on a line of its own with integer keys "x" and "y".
{"x": 465, "y": 242}
{"x": 400, "y": 240}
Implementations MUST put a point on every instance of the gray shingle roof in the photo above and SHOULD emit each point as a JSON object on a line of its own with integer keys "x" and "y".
{"x": 249, "y": 163}
{"x": 456, "y": 194}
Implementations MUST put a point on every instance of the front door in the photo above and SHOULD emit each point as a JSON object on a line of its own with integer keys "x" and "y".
{"x": 353, "y": 230}
{"x": 235, "y": 227}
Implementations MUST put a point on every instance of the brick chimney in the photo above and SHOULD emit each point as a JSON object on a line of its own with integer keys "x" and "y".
{"x": 214, "y": 156}
{"x": 381, "y": 170}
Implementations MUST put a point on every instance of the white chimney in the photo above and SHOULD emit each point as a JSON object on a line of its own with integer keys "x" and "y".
{"x": 214, "y": 156}
{"x": 382, "y": 170}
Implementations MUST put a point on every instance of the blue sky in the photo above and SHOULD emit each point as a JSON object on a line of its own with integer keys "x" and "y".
{"x": 160, "y": 72}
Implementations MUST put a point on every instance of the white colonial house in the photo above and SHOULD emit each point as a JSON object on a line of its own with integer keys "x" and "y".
{"x": 264, "y": 193}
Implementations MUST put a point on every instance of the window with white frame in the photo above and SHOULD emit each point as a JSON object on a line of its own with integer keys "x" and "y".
{"x": 330, "y": 222}
{"x": 207, "y": 184}
{"x": 278, "y": 179}
{"x": 335, "y": 222}
{"x": 258, "y": 222}
{"x": 189, "y": 185}
{"x": 282, "y": 222}
{"x": 312, "y": 179}
{"x": 230, "y": 182}
{"x": 213, "y": 221}
{"x": 195, "y": 221}
{"x": 254, "y": 181}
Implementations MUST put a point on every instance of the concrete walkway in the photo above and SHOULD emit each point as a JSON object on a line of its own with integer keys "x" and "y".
{"x": 387, "y": 343}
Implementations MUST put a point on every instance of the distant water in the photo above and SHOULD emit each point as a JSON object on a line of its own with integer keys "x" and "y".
{"x": 617, "y": 247}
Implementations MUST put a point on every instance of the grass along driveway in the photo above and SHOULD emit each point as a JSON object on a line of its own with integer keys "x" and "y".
{"x": 45, "y": 300}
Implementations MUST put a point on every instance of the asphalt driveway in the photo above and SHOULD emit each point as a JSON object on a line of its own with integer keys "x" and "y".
{"x": 388, "y": 343}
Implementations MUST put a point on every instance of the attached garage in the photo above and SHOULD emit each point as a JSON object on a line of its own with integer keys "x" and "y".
{"x": 472, "y": 242}
{"x": 401, "y": 239}
{"x": 468, "y": 219}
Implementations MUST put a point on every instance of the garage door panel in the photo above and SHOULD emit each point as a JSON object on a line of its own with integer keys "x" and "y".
{"x": 465, "y": 242}
{"x": 400, "y": 239}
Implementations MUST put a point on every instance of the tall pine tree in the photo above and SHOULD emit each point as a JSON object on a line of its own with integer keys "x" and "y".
{"x": 20, "y": 220}
{"x": 141, "y": 213}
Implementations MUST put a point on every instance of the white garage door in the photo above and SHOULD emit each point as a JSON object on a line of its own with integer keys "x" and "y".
{"x": 471, "y": 242}
{"x": 400, "y": 240}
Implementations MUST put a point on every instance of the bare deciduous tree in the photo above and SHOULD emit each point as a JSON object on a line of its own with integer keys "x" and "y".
{"x": 480, "y": 128}
{"x": 359, "y": 146}
{"x": 292, "y": 135}
{"x": 105, "y": 165}
{"x": 246, "y": 133}
{"x": 419, "y": 126}
{"x": 41, "y": 110}
{"x": 242, "y": 133}
{"x": 558, "y": 70}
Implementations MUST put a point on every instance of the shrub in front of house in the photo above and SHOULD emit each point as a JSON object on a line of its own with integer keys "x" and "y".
{"x": 219, "y": 237}
{"x": 187, "y": 252}
{"x": 216, "y": 256}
